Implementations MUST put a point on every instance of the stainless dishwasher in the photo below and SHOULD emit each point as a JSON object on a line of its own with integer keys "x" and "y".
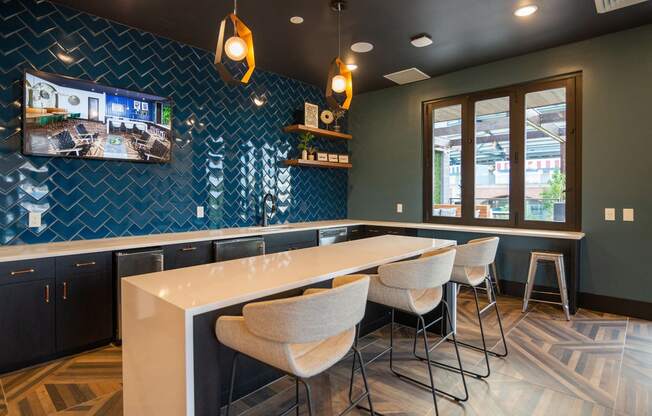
{"x": 330, "y": 236}
{"x": 131, "y": 263}
{"x": 238, "y": 248}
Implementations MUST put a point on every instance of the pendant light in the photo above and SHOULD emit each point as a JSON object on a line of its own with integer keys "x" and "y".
{"x": 339, "y": 75}
{"x": 238, "y": 47}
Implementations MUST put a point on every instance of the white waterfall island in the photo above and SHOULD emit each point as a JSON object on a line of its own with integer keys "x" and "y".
{"x": 171, "y": 362}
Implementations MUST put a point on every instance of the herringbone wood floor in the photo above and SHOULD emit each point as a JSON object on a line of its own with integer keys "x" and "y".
{"x": 597, "y": 364}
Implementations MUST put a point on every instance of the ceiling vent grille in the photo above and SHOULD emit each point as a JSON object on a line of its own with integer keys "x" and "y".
{"x": 407, "y": 76}
{"x": 606, "y": 6}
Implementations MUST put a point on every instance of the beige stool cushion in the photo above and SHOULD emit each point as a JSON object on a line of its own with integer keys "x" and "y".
{"x": 415, "y": 285}
{"x": 473, "y": 260}
{"x": 302, "y": 335}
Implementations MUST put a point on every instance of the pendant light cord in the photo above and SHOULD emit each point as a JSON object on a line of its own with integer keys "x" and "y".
{"x": 339, "y": 40}
{"x": 235, "y": 13}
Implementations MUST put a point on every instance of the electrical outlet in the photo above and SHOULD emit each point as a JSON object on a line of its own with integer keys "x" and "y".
{"x": 610, "y": 214}
{"x": 34, "y": 219}
{"x": 200, "y": 212}
{"x": 399, "y": 208}
{"x": 628, "y": 214}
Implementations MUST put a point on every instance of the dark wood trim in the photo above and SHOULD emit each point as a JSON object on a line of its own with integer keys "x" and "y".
{"x": 573, "y": 84}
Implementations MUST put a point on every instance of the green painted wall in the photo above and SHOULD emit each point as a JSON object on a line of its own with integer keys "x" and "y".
{"x": 617, "y": 149}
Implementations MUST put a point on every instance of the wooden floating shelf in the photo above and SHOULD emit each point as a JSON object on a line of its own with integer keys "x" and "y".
{"x": 317, "y": 164}
{"x": 300, "y": 128}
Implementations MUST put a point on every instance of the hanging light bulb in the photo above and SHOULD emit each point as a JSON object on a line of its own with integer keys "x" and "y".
{"x": 339, "y": 75}
{"x": 238, "y": 47}
{"x": 235, "y": 48}
{"x": 338, "y": 84}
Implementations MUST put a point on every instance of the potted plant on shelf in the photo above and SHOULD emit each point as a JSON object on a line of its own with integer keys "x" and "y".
{"x": 312, "y": 150}
{"x": 304, "y": 144}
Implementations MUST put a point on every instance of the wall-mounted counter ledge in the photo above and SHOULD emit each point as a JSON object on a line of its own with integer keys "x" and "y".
{"x": 34, "y": 251}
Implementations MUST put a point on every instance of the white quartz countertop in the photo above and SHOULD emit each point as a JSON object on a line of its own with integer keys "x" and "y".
{"x": 32, "y": 251}
{"x": 214, "y": 286}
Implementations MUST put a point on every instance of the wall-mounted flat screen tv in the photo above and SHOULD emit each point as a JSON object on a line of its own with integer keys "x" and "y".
{"x": 69, "y": 117}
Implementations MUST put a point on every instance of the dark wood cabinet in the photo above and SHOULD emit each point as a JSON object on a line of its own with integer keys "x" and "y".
{"x": 276, "y": 243}
{"x": 376, "y": 230}
{"x": 84, "y": 301}
{"x": 189, "y": 254}
{"x": 84, "y": 310}
{"x": 26, "y": 323}
{"x": 356, "y": 232}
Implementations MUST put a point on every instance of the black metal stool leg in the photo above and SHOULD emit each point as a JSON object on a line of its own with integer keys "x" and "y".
{"x": 444, "y": 366}
{"x": 234, "y": 363}
{"x": 311, "y": 409}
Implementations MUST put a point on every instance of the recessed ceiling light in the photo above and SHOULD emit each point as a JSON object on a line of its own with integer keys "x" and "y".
{"x": 362, "y": 47}
{"x": 526, "y": 10}
{"x": 351, "y": 67}
{"x": 297, "y": 20}
{"x": 422, "y": 40}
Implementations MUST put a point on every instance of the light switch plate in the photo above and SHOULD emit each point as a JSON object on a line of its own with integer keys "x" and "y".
{"x": 399, "y": 208}
{"x": 610, "y": 214}
{"x": 628, "y": 214}
{"x": 200, "y": 212}
{"x": 34, "y": 219}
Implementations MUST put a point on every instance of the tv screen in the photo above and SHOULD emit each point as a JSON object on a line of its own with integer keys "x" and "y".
{"x": 68, "y": 117}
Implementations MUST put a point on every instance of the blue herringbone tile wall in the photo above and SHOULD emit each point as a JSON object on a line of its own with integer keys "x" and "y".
{"x": 229, "y": 155}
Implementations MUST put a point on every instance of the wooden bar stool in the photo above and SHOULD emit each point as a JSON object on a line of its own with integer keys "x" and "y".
{"x": 558, "y": 259}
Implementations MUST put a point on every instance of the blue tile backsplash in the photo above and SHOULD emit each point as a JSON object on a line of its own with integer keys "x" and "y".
{"x": 227, "y": 155}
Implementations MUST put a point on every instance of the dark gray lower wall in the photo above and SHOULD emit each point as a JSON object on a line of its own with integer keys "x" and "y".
{"x": 617, "y": 148}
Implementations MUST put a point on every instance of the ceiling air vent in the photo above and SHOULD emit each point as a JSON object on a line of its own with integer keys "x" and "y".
{"x": 407, "y": 76}
{"x": 606, "y": 6}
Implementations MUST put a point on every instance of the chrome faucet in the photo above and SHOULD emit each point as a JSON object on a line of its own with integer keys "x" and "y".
{"x": 273, "y": 199}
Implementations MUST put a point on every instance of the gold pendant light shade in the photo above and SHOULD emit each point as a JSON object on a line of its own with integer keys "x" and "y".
{"x": 339, "y": 75}
{"x": 339, "y": 81}
{"x": 238, "y": 47}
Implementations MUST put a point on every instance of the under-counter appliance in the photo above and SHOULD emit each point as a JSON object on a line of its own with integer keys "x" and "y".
{"x": 238, "y": 248}
{"x": 330, "y": 236}
{"x": 131, "y": 263}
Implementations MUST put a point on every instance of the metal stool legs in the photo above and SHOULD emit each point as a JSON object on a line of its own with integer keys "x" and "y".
{"x": 421, "y": 328}
{"x": 299, "y": 380}
{"x": 558, "y": 260}
{"x": 484, "y": 349}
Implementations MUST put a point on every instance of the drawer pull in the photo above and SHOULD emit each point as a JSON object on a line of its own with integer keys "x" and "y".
{"x": 65, "y": 290}
{"x": 18, "y": 272}
{"x": 90, "y": 263}
{"x": 189, "y": 249}
{"x": 47, "y": 293}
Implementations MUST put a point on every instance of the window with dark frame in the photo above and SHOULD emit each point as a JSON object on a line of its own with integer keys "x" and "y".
{"x": 507, "y": 157}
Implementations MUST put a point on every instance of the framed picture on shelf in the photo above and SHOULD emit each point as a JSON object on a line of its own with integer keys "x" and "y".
{"x": 332, "y": 157}
{"x": 343, "y": 158}
{"x": 311, "y": 115}
{"x": 322, "y": 157}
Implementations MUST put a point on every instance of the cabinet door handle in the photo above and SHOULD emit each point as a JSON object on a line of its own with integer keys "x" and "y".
{"x": 65, "y": 290}
{"x": 189, "y": 249}
{"x": 90, "y": 263}
{"x": 18, "y": 272}
{"x": 47, "y": 293}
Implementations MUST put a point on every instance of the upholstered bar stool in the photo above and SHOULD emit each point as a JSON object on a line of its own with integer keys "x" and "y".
{"x": 416, "y": 287}
{"x": 558, "y": 260}
{"x": 472, "y": 270}
{"x": 302, "y": 336}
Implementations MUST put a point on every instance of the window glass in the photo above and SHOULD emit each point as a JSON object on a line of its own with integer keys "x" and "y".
{"x": 545, "y": 155}
{"x": 447, "y": 161}
{"x": 492, "y": 158}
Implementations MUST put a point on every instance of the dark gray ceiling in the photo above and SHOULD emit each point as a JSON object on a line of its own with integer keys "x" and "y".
{"x": 465, "y": 32}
